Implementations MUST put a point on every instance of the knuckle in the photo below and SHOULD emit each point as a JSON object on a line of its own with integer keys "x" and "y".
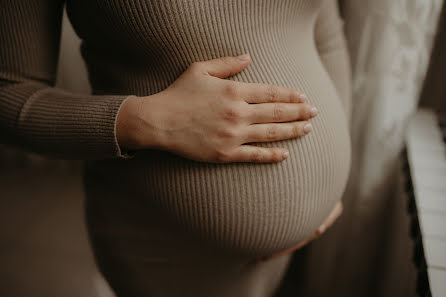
{"x": 256, "y": 155}
{"x": 227, "y": 60}
{"x": 272, "y": 93}
{"x": 299, "y": 115}
{"x": 272, "y": 133}
{"x": 276, "y": 156}
{"x": 232, "y": 114}
{"x": 231, "y": 90}
{"x": 278, "y": 112}
{"x": 222, "y": 156}
{"x": 297, "y": 130}
{"x": 294, "y": 96}
{"x": 306, "y": 113}
{"x": 228, "y": 133}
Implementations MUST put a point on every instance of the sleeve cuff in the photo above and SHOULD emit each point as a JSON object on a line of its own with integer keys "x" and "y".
{"x": 61, "y": 124}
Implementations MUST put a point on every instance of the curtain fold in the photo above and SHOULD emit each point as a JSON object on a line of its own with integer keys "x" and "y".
{"x": 368, "y": 251}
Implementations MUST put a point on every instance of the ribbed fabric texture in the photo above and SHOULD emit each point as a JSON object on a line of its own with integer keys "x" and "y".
{"x": 35, "y": 115}
{"x": 139, "y": 48}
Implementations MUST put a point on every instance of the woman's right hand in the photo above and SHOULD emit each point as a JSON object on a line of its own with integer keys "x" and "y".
{"x": 204, "y": 117}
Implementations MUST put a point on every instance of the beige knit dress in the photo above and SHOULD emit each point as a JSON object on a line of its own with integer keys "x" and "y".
{"x": 160, "y": 224}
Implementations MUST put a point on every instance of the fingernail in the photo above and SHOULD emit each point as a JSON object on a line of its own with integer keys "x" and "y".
{"x": 244, "y": 57}
{"x": 313, "y": 111}
{"x": 285, "y": 155}
{"x": 307, "y": 127}
{"x": 321, "y": 229}
{"x": 303, "y": 97}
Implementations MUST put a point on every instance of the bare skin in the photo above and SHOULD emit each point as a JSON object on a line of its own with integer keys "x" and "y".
{"x": 204, "y": 117}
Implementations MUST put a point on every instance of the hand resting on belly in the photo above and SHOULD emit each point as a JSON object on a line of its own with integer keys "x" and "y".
{"x": 204, "y": 117}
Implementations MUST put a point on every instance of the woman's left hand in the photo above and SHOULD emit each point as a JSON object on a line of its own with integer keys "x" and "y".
{"x": 335, "y": 213}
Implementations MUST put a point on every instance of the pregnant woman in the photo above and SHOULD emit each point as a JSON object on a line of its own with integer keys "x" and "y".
{"x": 205, "y": 167}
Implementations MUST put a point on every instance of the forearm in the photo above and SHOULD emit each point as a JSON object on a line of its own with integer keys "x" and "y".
{"x": 332, "y": 48}
{"x": 34, "y": 114}
{"x": 135, "y": 124}
{"x": 57, "y": 123}
{"x": 337, "y": 64}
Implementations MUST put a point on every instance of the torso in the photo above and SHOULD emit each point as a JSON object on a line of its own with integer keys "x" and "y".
{"x": 140, "y": 47}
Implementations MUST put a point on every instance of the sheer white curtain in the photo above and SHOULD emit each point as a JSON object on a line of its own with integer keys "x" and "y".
{"x": 368, "y": 251}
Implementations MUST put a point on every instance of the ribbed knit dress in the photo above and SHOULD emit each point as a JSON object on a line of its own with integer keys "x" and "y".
{"x": 160, "y": 224}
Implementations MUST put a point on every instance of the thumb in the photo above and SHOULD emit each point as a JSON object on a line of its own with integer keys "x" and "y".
{"x": 226, "y": 66}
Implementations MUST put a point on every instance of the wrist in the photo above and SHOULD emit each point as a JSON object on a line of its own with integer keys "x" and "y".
{"x": 126, "y": 125}
{"x": 135, "y": 127}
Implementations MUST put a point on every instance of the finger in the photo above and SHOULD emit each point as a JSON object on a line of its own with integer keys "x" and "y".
{"x": 280, "y": 112}
{"x": 256, "y": 154}
{"x": 225, "y": 66}
{"x": 267, "y": 93}
{"x": 334, "y": 215}
{"x": 275, "y": 132}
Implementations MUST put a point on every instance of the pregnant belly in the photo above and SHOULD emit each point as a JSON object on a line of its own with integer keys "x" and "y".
{"x": 254, "y": 208}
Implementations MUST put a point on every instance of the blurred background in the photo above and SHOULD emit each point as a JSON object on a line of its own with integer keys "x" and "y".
{"x": 397, "y": 66}
{"x": 44, "y": 249}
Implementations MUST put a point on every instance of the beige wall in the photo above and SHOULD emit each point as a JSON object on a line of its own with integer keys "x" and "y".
{"x": 72, "y": 74}
{"x": 44, "y": 250}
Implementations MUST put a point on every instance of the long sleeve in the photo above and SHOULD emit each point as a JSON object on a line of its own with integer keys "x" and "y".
{"x": 33, "y": 113}
{"x": 332, "y": 48}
